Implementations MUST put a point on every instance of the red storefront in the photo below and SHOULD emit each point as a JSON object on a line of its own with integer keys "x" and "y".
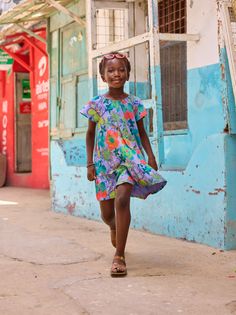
{"x": 24, "y": 137}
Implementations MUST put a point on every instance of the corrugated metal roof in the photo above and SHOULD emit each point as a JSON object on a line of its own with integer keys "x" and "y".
{"x": 28, "y": 11}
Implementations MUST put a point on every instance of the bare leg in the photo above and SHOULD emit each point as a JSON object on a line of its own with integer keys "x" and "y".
{"x": 108, "y": 216}
{"x": 122, "y": 205}
{"x": 108, "y": 213}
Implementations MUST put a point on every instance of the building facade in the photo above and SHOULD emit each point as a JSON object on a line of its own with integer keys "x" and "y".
{"x": 182, "y": 56}
{"x": 24, "y": 88}
{"x": 185, "y": 81}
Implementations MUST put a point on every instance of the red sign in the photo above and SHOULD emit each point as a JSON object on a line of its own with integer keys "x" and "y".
{"x": 25, "y": 107}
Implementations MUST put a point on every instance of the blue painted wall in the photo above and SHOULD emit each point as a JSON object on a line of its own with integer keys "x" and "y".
{"x": 198, "y": 203}
{"x": 230, "y": 214}
{"x": 205, "y": 115}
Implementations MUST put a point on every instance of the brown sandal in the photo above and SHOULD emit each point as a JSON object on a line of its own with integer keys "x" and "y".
{"x": 113, "y": 237}
{"x": 118, "y": 268}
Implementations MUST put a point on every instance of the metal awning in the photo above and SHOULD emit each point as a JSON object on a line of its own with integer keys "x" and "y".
{"x": 30, "y": 12}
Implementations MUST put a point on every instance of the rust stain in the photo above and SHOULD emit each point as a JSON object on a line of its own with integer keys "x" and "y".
{"x": 217, "y": 191}
{"x": 222, "y": 71}
{"x": 71, "y": 207}
{"x": 220, "y": 189}
{"x": 226, "y": 129}
{"x": 196, "y": 191}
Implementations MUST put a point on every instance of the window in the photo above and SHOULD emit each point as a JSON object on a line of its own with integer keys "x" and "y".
{"x": 113, "y": 25}
{"x": 173, "y": 61}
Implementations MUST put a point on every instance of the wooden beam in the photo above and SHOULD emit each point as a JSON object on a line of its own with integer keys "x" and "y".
{"x": 64, "y": 10}
{"x": 32, "y": 34}
{"x": 136, "y": 40}
{"x": 179, "y": 37}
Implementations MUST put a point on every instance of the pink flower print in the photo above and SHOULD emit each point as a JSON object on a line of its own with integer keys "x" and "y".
{"x": 129, "y": 115}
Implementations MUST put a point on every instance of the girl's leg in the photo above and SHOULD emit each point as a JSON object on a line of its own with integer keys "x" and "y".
{"x": 108, "y": 216}
{"x": 108, "y": 213}
{"x": 122, "y": 205}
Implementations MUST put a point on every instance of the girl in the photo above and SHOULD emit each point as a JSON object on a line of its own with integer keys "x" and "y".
{"x": 118, "y": 165}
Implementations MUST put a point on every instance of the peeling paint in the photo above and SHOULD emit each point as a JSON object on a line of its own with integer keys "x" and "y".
{"x": 196, "y": 191}
{"x": 71, "y": 207}
{"x": 191, "y": 213}
{"x": 222, "y": 66}
{"x": 217, "y": 191}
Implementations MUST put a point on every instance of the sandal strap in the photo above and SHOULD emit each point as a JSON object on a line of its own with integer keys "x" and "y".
{"x": 118, "y": 267}
{"x": 119, "y": 257}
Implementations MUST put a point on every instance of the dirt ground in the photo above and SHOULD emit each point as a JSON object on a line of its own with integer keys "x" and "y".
{"x": 53, "y": 264}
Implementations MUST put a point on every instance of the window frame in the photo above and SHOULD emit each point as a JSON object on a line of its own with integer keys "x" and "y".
{"x": 153, "y": 37}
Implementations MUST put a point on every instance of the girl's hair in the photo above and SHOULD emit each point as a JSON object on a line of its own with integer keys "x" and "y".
{"x": 109, "y": 56}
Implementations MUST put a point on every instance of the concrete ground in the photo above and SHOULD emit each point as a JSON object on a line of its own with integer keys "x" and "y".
{"x": 52, "y": 264}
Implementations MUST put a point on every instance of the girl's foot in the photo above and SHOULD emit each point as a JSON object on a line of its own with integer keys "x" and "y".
{"x": 113, "y": 237}
{"x": 118, "y": 268}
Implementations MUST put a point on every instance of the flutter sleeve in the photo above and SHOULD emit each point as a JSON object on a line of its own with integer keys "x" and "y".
{"x": 90, "y": 111}
{"x": 139, "y": 109}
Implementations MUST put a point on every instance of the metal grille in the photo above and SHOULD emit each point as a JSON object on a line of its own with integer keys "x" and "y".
{"x": 173, "y": 59}
{"x": 111, "y": 27}
{"x": 172, "y": 16}
{"x": 174, "y": 90}
{"x": 232, "y": 16}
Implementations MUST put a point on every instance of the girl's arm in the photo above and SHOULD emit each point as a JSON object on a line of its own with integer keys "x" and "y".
{"x": 146, "y": 145}
{"x": 90, "y": 139}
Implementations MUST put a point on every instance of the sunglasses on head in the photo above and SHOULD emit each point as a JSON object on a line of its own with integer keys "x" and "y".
{"x": 112, "y": 56}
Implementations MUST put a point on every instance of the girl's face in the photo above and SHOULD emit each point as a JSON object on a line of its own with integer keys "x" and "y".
{"x": 115, "y": 73}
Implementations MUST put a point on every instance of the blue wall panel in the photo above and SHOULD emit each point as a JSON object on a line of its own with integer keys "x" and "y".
{"x": 230, "y": 220}
{"x": 205, "y": 115}
{"x": 193, "y": 205}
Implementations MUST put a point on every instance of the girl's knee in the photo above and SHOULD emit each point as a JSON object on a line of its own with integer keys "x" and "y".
{"x": 108, "y": 217}
{"x": 122, "y": 202}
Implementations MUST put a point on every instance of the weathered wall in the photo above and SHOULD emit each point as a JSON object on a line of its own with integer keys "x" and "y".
{"x": 198, "y": 202}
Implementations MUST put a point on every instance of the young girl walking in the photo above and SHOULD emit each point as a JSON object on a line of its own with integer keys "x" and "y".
{"x": 115, "y": 141}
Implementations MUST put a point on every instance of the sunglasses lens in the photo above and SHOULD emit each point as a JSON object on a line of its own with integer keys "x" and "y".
{"x": 109, "y": 56}
{"x": 120, "y": 56}
{"x": 112, "y": 56}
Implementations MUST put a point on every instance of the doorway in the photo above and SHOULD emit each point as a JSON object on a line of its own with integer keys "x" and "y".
{"x": 23, "y": 148}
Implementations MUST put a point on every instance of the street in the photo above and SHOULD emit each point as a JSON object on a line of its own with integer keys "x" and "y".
{"x": 56, "y": 264}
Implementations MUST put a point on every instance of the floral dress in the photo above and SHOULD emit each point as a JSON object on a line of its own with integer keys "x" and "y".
{"x": 118, "y": 155}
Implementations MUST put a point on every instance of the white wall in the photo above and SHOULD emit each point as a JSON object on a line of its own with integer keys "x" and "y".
{"x": 202, "y": 19}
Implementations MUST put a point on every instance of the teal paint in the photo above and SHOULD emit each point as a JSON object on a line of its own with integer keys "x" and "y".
{"x": 74, "y": 151}
{"x": 68, "y": 65}
{"x": 159, "y": 123}
{"x": 195, "y": 211}
{"x": 60, "y": 19}
{"x": 71, "y": 192}
{"x": 192, "y": 205}
{"x": 230, "y": 215}
{"x": 82, "y": 97}
{"x": 198, "y": 202}
{"x": 140, "y": 89}
{"x": 205, "y": 116}
{"x": 230, "y": 106}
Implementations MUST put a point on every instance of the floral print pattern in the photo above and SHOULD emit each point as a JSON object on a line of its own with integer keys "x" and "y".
{"x": 119, "y": 156}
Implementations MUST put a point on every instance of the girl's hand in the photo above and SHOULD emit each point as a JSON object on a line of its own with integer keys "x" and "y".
{"x": 91, "y": 175}
{"x": 152, "y": 162}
